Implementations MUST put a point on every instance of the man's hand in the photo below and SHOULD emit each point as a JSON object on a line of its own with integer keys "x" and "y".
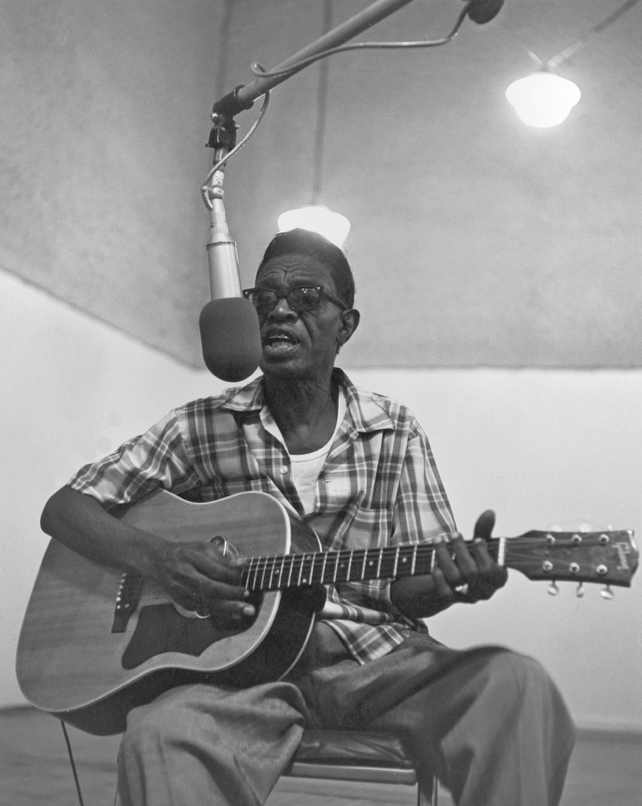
{"x": 463, "y": 572}
{"x": 466, "y": 572}
{"x": 199, "y": 577}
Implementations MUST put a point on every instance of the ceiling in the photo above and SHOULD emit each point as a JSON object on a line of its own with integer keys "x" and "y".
{"x": 475, "y": 241}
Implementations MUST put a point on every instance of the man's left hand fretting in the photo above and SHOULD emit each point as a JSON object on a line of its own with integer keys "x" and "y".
{"x": 467, "y": 572}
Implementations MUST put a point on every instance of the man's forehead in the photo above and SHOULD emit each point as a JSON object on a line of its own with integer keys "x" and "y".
{"x": 294, "y": 264}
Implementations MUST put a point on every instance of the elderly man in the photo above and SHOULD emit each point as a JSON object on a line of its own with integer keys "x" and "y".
{"x": 358, "y": 469}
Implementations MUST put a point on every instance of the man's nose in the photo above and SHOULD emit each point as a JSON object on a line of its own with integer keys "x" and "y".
{"x": 282, "y": 309}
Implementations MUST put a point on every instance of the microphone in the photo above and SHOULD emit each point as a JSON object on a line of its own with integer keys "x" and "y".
{"x": 483, "y": 11}
{"x": 229, "y": 324}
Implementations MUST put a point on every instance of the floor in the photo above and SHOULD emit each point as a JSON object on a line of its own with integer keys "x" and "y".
{"x": 606, "y": 770}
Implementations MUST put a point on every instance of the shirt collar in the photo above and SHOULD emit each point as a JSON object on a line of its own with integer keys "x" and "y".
{"x": 364, "y": 409}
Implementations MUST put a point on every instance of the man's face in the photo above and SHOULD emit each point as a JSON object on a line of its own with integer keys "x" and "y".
{"x": 302, "y": 345}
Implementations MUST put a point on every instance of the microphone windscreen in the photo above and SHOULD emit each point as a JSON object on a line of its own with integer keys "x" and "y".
{"x": 230, "y": 338}
{"x": 482, "y": 11}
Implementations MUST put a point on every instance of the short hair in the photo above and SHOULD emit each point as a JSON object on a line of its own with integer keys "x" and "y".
{"x": 306, "y": 242}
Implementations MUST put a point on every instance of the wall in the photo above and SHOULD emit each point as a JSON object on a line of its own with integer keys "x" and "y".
{"x": 105, "y": 118}
{"x": 539, "y": 447}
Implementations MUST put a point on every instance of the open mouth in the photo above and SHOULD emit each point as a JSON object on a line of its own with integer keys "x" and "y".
{"x": 278, "y": 341}
{"x": 275, "y": 338}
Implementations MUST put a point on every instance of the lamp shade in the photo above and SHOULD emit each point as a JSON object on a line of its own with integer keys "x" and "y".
{"x": 543, "y": 99}
{"x": 317, "y": 218}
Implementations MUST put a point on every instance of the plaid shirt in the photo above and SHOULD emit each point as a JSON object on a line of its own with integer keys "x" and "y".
{"x": 378, "y": 487}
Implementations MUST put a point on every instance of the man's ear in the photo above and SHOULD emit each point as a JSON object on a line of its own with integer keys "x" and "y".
{"x": 349, "y": 323}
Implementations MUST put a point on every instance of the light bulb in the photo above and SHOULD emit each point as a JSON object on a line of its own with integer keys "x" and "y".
{"x": 543, "y": 99}
{"x": 317, "y": 218}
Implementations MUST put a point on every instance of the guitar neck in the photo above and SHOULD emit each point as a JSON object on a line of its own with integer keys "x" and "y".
{"x": 609, "y": 557}
{"x": 277, "y": 572}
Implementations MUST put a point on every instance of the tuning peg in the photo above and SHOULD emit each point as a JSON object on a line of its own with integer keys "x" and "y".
{"x": 552, "y": 589}
{"x": 580, "y": 590}
{"x": 607, "y": 593}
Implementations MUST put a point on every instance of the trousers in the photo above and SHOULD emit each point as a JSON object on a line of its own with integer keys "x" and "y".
{"x": 490, "y": 722}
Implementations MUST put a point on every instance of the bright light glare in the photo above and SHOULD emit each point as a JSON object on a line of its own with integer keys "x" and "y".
{"x": 543, "y": 99}
{"x": 317, "y": 218}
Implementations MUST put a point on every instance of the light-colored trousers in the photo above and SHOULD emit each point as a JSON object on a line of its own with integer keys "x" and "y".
{"x": 488, "y": 721}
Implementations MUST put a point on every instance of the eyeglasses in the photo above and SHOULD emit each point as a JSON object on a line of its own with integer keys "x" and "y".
{"x": 301, "y": 298}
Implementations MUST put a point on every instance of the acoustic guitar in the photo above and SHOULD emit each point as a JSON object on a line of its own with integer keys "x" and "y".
{"x": 95, "y": 642}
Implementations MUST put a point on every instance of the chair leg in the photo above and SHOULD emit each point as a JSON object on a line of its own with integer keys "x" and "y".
{"x": 423, "y": 799}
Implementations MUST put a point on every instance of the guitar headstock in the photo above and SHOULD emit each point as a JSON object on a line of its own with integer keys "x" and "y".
{"x": 609, "y": 557}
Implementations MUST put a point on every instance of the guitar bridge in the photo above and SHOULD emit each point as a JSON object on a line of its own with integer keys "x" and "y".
{"x": 127, "y": 600}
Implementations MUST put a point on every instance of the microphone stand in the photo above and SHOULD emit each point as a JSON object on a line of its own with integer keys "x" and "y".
{"x": 243, "y": 97}
{"x": 221, "y": 247}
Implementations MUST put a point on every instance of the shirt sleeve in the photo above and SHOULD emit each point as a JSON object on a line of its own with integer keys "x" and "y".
{"x": 422, "y": 509}
{"x": 154, "y": 459}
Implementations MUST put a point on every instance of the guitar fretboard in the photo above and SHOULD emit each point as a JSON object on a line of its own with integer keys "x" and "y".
{"x": 275, "y": 572}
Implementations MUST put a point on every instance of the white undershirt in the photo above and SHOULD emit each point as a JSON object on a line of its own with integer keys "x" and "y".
{"x": 307, "y": 466}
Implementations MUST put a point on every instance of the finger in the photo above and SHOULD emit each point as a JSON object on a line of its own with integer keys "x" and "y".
{"x": 484, "y": 525}
{"x": 455, "y": 562}
{"x": 222, "y": 613}
{"x": 489, "y": 570}
{"x": 483, "y": 557}
{"x": 236, "y": 609}
{"x": 442, "y": 588}
{"x": 214, "y": 566}
{"x": 215, "y": 591}
{"x": 444, "y": 561}
{"x": 465, "y": 561}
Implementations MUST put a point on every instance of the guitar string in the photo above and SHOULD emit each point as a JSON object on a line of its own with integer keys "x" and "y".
{"x": 271, "y": 565}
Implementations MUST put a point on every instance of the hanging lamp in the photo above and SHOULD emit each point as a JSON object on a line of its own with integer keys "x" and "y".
{"x": 316, "y": 216}
{"x": 545, "y": 99}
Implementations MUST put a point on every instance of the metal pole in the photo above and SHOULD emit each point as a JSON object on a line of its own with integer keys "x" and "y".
{"x": 245, "y": 96}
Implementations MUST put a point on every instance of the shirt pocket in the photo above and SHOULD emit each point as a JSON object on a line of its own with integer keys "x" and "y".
{"x": 368, "y": 529}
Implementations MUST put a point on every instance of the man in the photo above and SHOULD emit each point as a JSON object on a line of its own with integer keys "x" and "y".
{"x": 358, "y": 469}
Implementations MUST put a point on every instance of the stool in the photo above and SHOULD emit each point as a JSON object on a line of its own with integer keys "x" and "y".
{"x": 357, "y": 756}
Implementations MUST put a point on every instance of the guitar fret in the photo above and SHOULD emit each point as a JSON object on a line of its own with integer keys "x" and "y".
{"x": 365, "y": 562}
{"x": 281, "y": 572}
{"x": 386, "y": 562}
{"x": 263, "y": 574}
{"x": 325, "y": 562}
{"x": 349, "y": 566}
{"x": 267, "y": 573}
{"x": 336, "y": 566}
{"x": 250, "y": 569}
{"x": 277, "y": 563}
{"x": 402, "y": 555}
{"x": 343, "y": 564}
{"x": 308, "y": 579}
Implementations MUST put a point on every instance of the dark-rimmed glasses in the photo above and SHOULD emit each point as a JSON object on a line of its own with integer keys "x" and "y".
{"x": 301, "y": 298}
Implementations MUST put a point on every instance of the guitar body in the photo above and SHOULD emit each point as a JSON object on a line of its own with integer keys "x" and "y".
{"x": 87, "y": 659}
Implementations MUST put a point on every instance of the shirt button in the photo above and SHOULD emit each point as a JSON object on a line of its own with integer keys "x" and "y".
{"x": 284, "y": 469}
